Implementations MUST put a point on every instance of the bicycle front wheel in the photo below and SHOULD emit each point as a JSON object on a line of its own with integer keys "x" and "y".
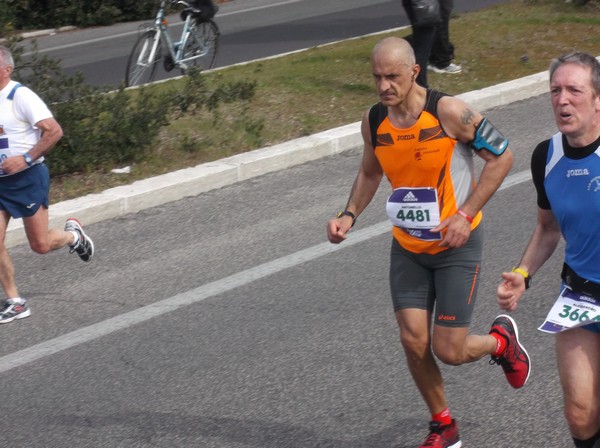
{"x": 202, "y": 45}
{"x": 144, "y": 58}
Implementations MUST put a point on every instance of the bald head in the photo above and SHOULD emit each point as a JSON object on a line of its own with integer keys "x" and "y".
{"x": 394, "y": 71}
{"x": 394, "y": 48}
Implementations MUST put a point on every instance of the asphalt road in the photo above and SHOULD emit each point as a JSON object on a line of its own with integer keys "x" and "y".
{"x": 226, "y": 320}
{"x": 250, "y": 29}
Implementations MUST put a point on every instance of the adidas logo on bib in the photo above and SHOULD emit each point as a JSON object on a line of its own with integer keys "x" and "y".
{"x": 409, "y": 197}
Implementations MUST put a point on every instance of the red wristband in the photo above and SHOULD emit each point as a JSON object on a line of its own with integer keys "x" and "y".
{"x": 464, "y": 215}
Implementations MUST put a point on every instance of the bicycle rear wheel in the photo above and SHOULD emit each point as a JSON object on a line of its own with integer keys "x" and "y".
{"x": 202, "y": 45}
{"x": 142, "y": 62}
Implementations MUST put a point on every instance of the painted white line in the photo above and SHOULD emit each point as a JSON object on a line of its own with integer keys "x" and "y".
{"x": 89, "y": 41}
{"x": 256, "y": 8}
{"x": 514, "y": 179}
{"x": 150, "y": 21}
{"x": 201, "y": 293}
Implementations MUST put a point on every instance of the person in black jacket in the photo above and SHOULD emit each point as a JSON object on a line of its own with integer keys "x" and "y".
{"x": 431, "y": 43}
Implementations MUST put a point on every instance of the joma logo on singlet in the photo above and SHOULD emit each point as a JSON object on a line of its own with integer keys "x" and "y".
{"x": 578, "y": 172}
{"x": 406, "y": 137}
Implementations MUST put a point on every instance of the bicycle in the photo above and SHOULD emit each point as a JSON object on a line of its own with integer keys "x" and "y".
{"x": 197, "y": 46}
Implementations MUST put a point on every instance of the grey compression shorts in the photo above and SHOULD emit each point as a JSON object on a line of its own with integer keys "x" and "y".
{"x": 446, "y": 281}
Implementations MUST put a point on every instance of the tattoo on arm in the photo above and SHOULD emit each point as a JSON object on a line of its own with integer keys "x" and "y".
{"x": 467, "y": 116}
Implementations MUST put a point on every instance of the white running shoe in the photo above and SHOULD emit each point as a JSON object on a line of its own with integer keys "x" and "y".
{"x": 85, "y": 246}
{"x": 452, "y": 68}
{"x": 12, "y": 310}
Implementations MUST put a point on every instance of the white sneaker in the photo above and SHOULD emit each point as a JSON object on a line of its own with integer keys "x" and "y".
{"x": 12, "y": 310}
{"x": 84, "y": 247}
{"x": 452, "y": 68}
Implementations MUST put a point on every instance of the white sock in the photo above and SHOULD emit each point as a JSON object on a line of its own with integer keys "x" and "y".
{"x": 75, "y": 238}
{"x": 17, "y": 300}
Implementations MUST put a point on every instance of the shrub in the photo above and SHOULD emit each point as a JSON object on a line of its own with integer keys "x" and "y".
{"x": 7, "y": 19}
{"x": 105, "y": 129}
{"x": 41, "y": 14}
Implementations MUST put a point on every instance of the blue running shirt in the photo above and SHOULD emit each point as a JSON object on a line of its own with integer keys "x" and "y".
{"x": 570, "y": 187}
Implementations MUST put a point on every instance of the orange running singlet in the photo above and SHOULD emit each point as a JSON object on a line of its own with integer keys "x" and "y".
{"x": 432, "y": 175}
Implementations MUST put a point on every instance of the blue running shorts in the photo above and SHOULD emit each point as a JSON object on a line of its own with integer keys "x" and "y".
{"x": 594, "y": 328}
{"x": 22, "y": 194}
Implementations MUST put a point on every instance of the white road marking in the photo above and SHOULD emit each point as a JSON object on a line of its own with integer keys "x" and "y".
{"x": 136, "y": 31}
{"x": 126, "y": 320}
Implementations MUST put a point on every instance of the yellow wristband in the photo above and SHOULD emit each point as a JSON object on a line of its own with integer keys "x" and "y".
{"x": 525, "y": 275}
{"x": 521, "y": 271}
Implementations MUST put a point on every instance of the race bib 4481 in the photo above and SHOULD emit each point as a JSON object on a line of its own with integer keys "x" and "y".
{"x": 413, "y": 208}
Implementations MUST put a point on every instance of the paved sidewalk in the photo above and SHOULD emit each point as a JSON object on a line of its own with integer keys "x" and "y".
{"x": 192, "y": 181}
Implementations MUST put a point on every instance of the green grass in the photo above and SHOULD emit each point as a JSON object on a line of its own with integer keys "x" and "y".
{"x": 330, "y": 86}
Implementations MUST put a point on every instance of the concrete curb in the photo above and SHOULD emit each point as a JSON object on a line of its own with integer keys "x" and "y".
{"x": 173, "y": 186}
{"x": 39, "y": 33}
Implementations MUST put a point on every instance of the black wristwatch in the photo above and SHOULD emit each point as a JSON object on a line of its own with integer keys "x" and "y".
{"x": 28, "y": 159}
{"x": 347, "y": 213}
{"x": 525, "y": 275}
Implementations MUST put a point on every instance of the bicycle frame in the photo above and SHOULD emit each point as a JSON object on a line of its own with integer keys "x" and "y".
{"x": 154, "y": 46}
{"x": 175, "y": 49}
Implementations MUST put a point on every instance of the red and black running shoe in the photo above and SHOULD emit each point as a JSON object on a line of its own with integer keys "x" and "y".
{"x": 514, "y": 360}
{"x": 442, "y": 436}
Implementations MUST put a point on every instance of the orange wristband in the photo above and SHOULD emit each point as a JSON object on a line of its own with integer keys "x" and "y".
{"x": 464, "y": 215}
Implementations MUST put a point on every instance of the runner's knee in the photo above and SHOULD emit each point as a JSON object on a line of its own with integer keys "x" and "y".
{"x": 448, "y": 354}
{"x": 582, "y": 418}
{"x": 40, "y": 247}
{"x": 415, "y": 345}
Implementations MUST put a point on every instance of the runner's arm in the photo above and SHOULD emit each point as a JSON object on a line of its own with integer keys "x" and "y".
{"x": 540, "y": 248}
{"x": 364, "y": 188}
{"x": 51, "y": 134}
{"x": 459, "y": 121}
